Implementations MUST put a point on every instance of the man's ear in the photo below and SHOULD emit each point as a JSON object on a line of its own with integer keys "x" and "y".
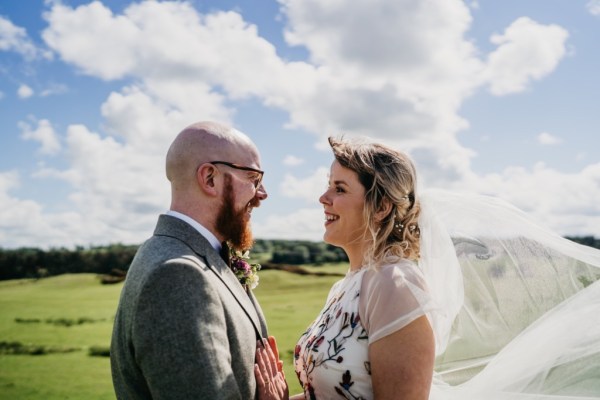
{"x": 206, "y": 179}
{"x": 384, "y": 210}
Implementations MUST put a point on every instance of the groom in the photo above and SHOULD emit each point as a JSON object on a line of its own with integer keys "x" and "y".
{"x": 185, "y": 327}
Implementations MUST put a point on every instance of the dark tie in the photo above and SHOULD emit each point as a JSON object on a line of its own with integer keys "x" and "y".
{"x": 225, "y": 253}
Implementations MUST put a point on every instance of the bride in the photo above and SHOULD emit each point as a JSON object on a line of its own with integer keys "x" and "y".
{"x": 448, "y": 296}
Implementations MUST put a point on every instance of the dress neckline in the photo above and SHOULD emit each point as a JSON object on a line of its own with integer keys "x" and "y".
{"x": 351, "y": 273}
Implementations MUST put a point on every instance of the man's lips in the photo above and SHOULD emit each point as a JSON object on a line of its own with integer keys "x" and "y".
{"x": 252, "y": 205}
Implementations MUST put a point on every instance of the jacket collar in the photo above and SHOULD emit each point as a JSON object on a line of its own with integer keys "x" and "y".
{"x": 176, "y": 228}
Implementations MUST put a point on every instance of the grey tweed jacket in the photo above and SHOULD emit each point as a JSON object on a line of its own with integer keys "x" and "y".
{"x": 185, "y": 328}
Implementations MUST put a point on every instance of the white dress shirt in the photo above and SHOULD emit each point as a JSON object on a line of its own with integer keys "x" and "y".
{"x": 212, "y": 239}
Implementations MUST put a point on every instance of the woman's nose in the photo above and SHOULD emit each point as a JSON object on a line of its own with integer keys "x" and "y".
{"x": 323, "y": 199}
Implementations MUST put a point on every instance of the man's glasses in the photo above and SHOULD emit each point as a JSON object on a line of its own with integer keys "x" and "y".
{"x": 257, "y": 173}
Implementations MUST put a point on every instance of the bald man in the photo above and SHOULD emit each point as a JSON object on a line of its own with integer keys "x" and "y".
{"x": 185, "y": 327}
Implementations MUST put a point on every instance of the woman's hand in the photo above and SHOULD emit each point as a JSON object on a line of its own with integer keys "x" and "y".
{"x": 268, "y": 371}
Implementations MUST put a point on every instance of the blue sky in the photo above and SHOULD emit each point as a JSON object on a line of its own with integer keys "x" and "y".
{"x": 491, "y": 97}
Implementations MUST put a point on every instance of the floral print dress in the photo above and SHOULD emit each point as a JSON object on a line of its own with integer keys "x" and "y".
{"x": 331, "y": 358}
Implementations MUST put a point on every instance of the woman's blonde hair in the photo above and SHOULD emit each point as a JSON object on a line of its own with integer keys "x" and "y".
{"x": 387, "y": 175}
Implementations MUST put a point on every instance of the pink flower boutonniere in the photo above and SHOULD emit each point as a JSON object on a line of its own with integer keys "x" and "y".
{"x": 246, "y": 272}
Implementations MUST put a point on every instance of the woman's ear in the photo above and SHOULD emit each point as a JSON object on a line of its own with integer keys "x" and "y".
{"x": 206, "y": 179}
{"x": 384, "y": 210}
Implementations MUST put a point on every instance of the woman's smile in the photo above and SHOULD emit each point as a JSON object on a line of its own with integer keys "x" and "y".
{"x": 330, "y": 218}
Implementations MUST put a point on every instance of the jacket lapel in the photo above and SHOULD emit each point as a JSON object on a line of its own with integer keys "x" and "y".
{"x": 224, "y": 273}
{"x": 178, "y": 229}
{"x": 261, "y": 316}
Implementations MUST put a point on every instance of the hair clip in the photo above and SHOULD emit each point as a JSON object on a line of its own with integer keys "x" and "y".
{"x": 399, "y": 226}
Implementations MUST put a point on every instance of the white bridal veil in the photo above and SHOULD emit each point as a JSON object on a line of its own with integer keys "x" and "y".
{"x": 520, "y": 305}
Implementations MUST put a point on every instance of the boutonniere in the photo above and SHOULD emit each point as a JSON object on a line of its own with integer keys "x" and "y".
{"x": 246, "y": 272}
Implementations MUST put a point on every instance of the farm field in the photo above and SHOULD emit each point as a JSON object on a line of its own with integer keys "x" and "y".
{"x": 55, "y": 323}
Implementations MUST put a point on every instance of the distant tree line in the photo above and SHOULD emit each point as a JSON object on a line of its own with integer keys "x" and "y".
{"x": 297, "y": 252}
{"x": 27, "y": 262}
{"x": 586, "y": 240}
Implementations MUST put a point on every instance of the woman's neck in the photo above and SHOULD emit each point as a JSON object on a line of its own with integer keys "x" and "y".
{"x": 356, "y": 262}
{"x": 356, "y": 257}
{"x": 354, "y": 268}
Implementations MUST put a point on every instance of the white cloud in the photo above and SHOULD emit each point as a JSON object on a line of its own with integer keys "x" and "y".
{"x": 24, "y": 91}
{"x": 567, "y": 203}
{"x": 117, "y": 176}
{"x": 593, "y": 6}
{"x": 24, "y": 223}
{"x": 182, "y": 66}
{"x": 526, "y": 51}
{"x": 407, "y": 88}
{"x": 116, "y": 188}
{"x": 171, "y": 45}
{"x": 14, "y": 38}
{"x": 148, "y": 117}
{"x": 111, "y": 36}
{"x": 167, "y": 42}
{"x": 8, "y": 181}
{"x": 545, "y": 138}
{"x": 292, "y": 161}
{"x": 309, "y": 188}
{"x": 303, "y": 224}
{"x": 403, "y": 31}
{"x": 118, "y": 180}
{"x": 54, "y": 89}
{"x": 180, "y": 59}
{"x": 43, "y": 133}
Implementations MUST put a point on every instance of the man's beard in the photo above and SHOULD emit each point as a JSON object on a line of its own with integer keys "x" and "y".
{"x": 233, "y": 224}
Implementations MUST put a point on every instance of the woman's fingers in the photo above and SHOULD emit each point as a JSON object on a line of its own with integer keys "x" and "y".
{"x": 273, "y": 344}
{"x": 263, "y": 364}
{"x": 268, "y": 371}
{"x": 275, "y": 349}
{"x": 270, "y": 387}
{"x": 273, "y": 359}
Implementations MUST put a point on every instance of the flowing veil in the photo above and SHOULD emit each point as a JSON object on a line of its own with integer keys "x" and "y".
{"x": 519, "y": 306}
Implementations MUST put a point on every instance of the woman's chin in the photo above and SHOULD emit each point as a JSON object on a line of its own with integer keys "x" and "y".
{"x": 329, "y": 239}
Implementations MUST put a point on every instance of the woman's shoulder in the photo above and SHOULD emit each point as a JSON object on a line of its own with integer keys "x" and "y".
{"x": 401, "y": 267}
{"x": 392, "y": 296}
{"x": 401, "y": 264}
{"x": 397, "y": 273}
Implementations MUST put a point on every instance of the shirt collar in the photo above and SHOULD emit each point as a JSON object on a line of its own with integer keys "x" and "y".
{"x": 212, "y": 239}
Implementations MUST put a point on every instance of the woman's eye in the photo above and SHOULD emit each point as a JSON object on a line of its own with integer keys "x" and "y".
{"x": 339, "y": 190}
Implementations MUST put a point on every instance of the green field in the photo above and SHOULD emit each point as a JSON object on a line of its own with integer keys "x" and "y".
{"x": 59, "y": 319}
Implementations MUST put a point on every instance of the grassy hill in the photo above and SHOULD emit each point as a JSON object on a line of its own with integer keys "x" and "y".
{"x": 49, "y": 328}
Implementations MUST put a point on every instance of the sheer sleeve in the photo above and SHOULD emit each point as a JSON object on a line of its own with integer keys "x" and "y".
{"x": 392, "y": 298}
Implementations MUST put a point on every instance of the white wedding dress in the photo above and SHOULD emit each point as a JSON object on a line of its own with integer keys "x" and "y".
{"x": 515, "y": 310}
